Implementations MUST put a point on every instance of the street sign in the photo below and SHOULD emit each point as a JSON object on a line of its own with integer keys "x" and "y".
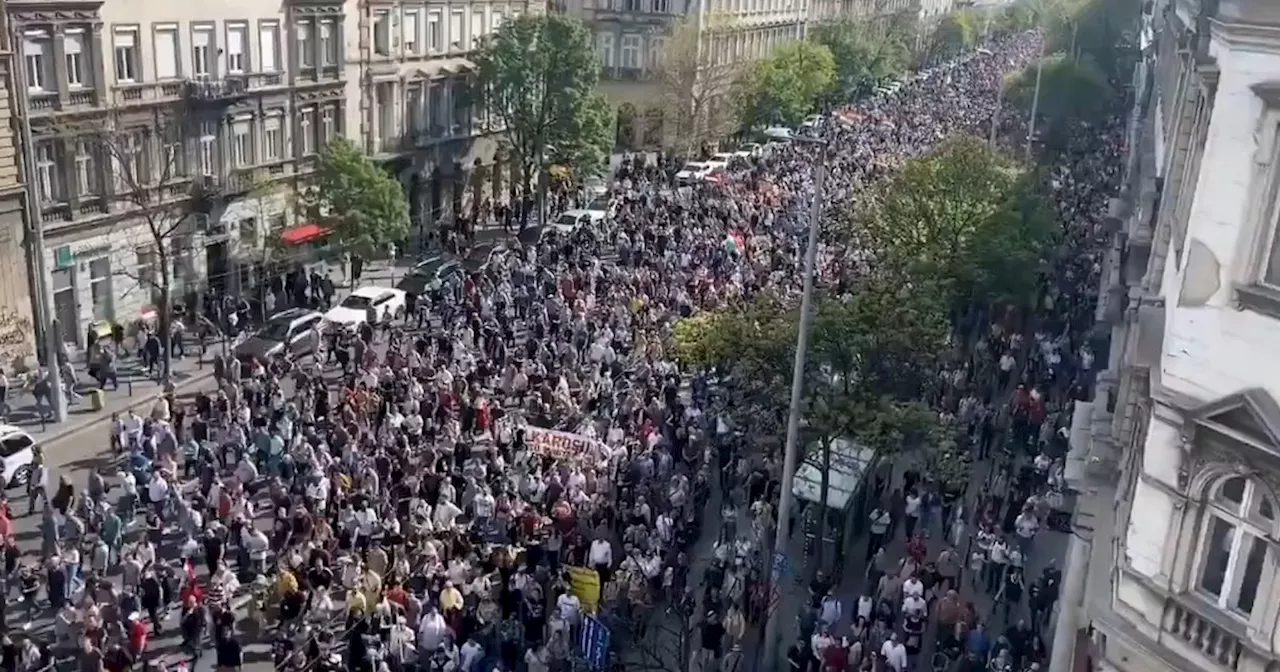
{"x": 594, "y": 642}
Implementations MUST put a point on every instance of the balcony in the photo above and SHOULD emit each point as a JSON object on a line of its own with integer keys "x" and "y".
{"x": 1195, "y": 636}
{"x": 215, "y": 91}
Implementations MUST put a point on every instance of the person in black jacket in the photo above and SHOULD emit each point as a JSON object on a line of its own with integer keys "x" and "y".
{"x": 192, "y": 625}
{"x": 152, "y": 597}
{"x": 229, "y": 653}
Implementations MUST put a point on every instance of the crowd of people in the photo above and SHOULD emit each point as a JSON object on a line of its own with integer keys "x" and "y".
{"x": 520, "y": 461}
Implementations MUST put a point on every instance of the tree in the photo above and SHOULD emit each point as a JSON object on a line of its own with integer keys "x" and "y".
{"x": 785, "y": 87}
{"x": 697, "y": 92}
{"x": 150, "y": 181}
{"x": 1071, "y": 91}
{"x": 263, "y": 250}
{"x": 362, "y": 206}
{"x": 956, "y": 33}
{"x": 963, "y": 217}
{"x": 864, "y": 56}
{"x": 1102, "y": 30}
{"x": 537, "y": 76}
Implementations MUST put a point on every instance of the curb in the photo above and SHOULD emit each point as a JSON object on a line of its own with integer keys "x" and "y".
{"x": 137, "y": 402}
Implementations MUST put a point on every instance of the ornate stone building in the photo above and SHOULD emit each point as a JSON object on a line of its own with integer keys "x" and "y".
{"x": 17, "y": 331}
{"x": 1177, "y": 457}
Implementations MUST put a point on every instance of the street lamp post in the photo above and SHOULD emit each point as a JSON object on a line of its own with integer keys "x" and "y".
{"x": 1035, "y": 102}
{"x": 783, "y": 533}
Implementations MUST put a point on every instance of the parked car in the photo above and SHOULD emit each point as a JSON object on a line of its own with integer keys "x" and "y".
{"x": 17, "y": 450}
{"x": 750, "y": 150}
{"x": 576, "y": 219}
{"x": 367, "y": 304}
{"x": 811, "y": 122}
{"x": 430, "y": 275}
{"x": 779, "y": 133}
{"x": 294, "y": 332}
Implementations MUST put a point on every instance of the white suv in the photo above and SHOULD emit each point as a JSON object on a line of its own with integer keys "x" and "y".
{"x": 17, "y": 450}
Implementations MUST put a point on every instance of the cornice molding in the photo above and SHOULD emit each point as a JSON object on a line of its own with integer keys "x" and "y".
{"x": 1246, "y": 36}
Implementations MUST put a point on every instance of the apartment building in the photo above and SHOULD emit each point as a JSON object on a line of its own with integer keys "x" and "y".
{"x": 1177, "y": 457}
{"x": 410, "y": 73}
{"x": 631, "y": 36}
{"x": 17, "y": 328}
{"x": 180, "y": 127}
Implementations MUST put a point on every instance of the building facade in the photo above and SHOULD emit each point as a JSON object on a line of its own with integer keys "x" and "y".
{"x": 632, "y": 37}
{"x": 410, "y": 72}
{"x": 17, "y": 328}
{"x": 1177, "y": 458}
{"x": 176, "y": 134}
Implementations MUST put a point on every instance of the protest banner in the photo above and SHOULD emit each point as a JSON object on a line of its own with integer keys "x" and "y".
{"x": 585, "y": 583}
{"x": 563, "y": 445}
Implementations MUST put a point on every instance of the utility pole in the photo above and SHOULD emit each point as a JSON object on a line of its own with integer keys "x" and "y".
{"x": 783, "y": 534}
{"x": 42, "y": 291}
{"x": 1035, "y": 102}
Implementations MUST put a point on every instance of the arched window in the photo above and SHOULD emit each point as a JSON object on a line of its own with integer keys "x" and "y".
{"x": 1234, "y": 549}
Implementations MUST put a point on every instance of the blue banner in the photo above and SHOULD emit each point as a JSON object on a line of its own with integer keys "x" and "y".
{"x": 595, "y": 642}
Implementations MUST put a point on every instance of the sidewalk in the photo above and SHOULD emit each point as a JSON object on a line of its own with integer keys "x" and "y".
{"x": 139, "y": 391}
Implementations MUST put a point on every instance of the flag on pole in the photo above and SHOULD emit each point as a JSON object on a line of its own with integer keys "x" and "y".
{"x": 594, "y": 642}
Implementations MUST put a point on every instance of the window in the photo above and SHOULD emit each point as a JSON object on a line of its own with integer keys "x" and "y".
{"x": 237, "y": 43}
{"x": 307, "y": 130}
{"x": 272, "y": 138}
{"x": 435, "y": 32}
{"x": 329, "y": 124}
{"x": 656, "y": 44}
{"x": 328, "y": 43}
{"x": 382, "y": 33}
{"x": 208, "y": 147}
{"x": 16, "y": 444}
{"x": 47, "y": 172}
{"x": 477, "y": 27}
{"x": 201, "y": 51}
{"x": 412, "y": 38}
{"x": 496, "y": 17}
{"x": 126, "y": 54}
{"x": 37, "y": 50}
{"x": 175, "y": 164}
{"x": 631, "y": 51}
{"x": 437, "y": 101}
{"x": 86, "y": 177}
{"x": 100, "y": 288}
{"x": 606, "y": 49}
{"x": 1234, "y": 548}
{"x": 303, "y": 42}
{"x": 131, "y": 169}
{"x": 73, "y": 48}
{"x": 660, "y": 6}
{"x": 268, "y": 39}
{"x": 456, "y": 28}
{"x": 414, "y": 103}
{"x": 242, "y": 143}
{"x": 166, "y": 39}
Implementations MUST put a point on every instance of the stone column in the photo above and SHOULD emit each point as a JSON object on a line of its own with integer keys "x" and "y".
{"x": 97, "y": 64}
{"x": 60, "y": 62}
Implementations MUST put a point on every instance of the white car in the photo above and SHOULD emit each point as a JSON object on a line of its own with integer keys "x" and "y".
{"x": 750, "y": 150}
{"x": 367, "y": 304}
{"x": 17, "y": 449}
{"x": 812, "y": 121}
{"x": 781, "y": 133}
{"x": 694, "y": 171}
{"x": 573, "y": 220}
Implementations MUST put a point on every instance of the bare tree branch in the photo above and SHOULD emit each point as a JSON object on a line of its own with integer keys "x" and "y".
{"x": 697, "y": 89}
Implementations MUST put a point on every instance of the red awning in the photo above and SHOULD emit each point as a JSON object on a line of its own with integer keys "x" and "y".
{"x": 303, "y": 233}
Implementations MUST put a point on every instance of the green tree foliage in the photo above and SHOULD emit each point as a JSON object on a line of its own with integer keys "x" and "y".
{"x": 785, "y": 87}
{"x": 537, "y": 75}
{"x": 1100, "y": 30}
{"x": 955, "y": 34}
{"x": 864, "y": 56}
{"x": 362, "y": 205}
{"x": 1071, "y": 91}
{"x": 964, "y": 217}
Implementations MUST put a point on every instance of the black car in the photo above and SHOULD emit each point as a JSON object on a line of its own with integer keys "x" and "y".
{"x": 430, "y": 275}
{"x": 294, "y": 333}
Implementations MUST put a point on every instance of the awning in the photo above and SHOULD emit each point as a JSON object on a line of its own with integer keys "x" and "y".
{"x": 303, "y": 233}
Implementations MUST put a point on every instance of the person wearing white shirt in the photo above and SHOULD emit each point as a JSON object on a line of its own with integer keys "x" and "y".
{"x": 601, "y": 557}
{"x": 569, "y": 607}
{"x": 997, "y": 560}
{"x": 1026, "y": 525}
{"x": 472, "y": 652}
{"x": 913, "y": 587}
{"x": 895, "y": 654}
{"x": 912, "y": 513}
{"x": 914, "y": 605}
{"x": 445, "y": 514}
